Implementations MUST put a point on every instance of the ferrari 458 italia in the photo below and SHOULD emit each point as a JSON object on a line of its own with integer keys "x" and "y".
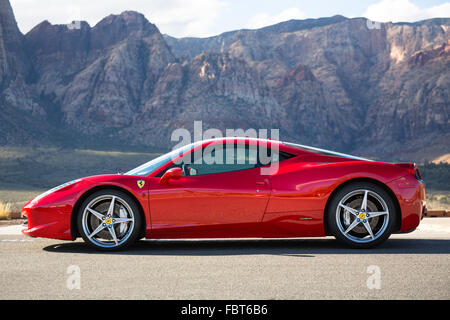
{"x": 235, "y": 188}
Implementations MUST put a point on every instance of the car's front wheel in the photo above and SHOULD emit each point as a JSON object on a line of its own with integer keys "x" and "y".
{"x": 109, "y": 220}
{"x": 362, "y": 215}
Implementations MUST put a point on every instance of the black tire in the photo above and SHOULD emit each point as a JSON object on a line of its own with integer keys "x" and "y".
{"x": 87, "y": 222}
{"x": 340, "y": 221}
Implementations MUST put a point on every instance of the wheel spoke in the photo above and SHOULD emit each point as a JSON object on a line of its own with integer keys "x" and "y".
{"x": 352, "y": 229}
{"x": 113, "y": 234}
{"x": 122, "y": 220}
{"x": 364, "y": 202}
{"x": 351, "y": 210}
{"x": 95, "y": 213}
{"x": 354, "y": 224}
{"x": 111, "y": 206}
{"x": 116, "y": 217}
{"x": 368, "y": 228}
{"x": 376, "y": 214}
{"x": 122, "y": 214}
{"x": 99, "y": 228}
{"x": 347, "y": 218}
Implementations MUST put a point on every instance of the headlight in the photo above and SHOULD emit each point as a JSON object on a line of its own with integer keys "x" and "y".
{"x": 55, "y": 189}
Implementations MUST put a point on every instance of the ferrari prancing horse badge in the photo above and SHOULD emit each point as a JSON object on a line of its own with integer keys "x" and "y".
{"x": 140, "y": 183}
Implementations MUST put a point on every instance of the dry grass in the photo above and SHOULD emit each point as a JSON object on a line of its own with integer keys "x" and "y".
{"x": 5, "y": 211}
{"x": 24, "y": 168}
{"x": 17, "y": 197}
{"x": 27, "y": 172}
{"x": 438, "y": 200}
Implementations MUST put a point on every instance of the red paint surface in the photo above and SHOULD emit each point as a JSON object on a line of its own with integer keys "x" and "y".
{"x": 286, "y": 203}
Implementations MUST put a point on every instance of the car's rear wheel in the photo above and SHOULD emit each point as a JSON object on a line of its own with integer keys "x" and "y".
{"x": 109, "y": 220}
{"x": 361, "y": 215}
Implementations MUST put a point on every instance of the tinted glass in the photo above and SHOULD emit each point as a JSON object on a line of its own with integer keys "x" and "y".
{"x": 227, "y": 158}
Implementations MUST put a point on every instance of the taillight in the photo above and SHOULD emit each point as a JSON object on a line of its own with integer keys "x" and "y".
{"x": 412, "y": 169}
{"x": 417, "y": 174}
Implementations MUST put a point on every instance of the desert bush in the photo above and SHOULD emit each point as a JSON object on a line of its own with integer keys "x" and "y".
{"x": 5, "y": 211}
{"x": 436, "y": 176}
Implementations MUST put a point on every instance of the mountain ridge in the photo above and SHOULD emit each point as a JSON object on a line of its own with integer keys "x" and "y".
{"x": 328, "y": 82}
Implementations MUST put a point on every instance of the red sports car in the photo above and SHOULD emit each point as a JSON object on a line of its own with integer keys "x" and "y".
{"x": 236, "y": 188}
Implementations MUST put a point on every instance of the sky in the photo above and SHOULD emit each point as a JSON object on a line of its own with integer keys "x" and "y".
{"x": 202, "y": 18}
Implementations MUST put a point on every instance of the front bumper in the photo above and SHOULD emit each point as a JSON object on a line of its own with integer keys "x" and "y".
{"x": 48, "y": 222}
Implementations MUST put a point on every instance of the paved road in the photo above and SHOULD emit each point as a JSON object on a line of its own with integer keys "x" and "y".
{"x": 410, "y": 266}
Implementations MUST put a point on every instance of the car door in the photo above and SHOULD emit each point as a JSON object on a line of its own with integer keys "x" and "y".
{"x": 211, "y": 196}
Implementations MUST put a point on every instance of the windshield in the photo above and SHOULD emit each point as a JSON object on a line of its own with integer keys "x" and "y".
{"x": 151, "y": 166}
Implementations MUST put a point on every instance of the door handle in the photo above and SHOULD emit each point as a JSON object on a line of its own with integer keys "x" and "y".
{"x": 261, "y": 182}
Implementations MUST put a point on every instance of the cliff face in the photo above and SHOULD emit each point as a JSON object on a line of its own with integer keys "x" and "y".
{"x": 98, "y": 77}
{"x": 19, "y": 105}
{"x": 372, "y": 91}
{"x": 13, "y": 61}
{"x": 329, "y": 82}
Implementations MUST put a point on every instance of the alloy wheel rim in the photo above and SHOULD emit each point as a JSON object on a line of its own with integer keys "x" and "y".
{"x": 108, "y": 221}
{"x": 362, "y": 216}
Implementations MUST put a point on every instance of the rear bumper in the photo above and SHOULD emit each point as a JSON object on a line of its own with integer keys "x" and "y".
{"x": 411, "y": 197}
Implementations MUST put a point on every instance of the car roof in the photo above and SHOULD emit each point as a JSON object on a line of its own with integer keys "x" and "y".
{"x": 288, "y": 146}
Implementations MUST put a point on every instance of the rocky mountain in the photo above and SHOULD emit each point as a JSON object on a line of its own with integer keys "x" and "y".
{"x": 346, "y": 86}
{"x": 19, "y": 106}
{"x": 333, "y": 82}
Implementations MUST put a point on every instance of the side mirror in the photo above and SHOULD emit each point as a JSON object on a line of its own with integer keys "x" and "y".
{"x": 192, "y": 171}
{"x": 174, "y": 173}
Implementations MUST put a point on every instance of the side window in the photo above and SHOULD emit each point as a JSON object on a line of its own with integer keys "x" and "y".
{"x": 227, "y": 158}
{"x": 223, "y": 158}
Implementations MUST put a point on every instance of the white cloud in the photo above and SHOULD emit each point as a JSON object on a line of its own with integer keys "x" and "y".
{"x": 404, "y": 11}
{"x": 175, "y": 17}
{"x": 187, "y": 18}
{"x": 264, "y": 19}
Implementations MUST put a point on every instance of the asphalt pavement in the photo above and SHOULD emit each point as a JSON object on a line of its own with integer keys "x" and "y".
{"x": 407, "y": 266}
